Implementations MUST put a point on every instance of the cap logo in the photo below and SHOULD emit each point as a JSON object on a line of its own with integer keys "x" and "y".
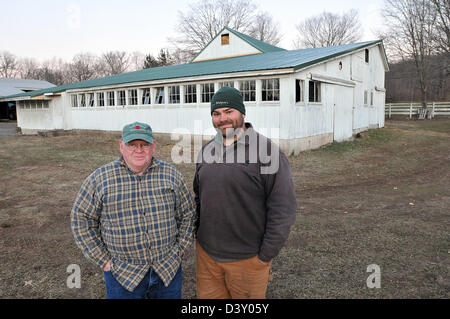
{"x": 138, "y": 127}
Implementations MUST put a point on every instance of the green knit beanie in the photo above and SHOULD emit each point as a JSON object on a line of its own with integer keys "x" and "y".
{"x": 228, "y": 97}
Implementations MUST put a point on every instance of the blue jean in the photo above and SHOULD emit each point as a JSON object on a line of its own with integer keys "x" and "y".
{"x": 151, "y": 287}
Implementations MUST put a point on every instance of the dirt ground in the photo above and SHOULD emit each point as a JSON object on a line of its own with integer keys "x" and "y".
{"x": 381, "y": 199}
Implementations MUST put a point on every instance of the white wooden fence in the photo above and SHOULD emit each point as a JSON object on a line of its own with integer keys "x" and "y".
{"x": 412, "y": 109}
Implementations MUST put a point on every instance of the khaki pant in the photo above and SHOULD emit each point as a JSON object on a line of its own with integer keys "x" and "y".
{"x": 244, "y": 279}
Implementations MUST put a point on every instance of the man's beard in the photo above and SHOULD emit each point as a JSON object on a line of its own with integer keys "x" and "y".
{"x": 235, "y": 130}
{"x": 231, "y": 132}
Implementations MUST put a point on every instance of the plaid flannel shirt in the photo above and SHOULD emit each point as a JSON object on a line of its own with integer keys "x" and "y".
{"x": 136, "y": 221}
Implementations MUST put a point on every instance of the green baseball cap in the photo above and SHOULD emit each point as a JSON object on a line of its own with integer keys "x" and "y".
{"x": 137, "y": 131}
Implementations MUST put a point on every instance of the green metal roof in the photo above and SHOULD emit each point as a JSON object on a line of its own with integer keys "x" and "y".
{"x": 261, "y": 46}
{"x": 295, "y": 59}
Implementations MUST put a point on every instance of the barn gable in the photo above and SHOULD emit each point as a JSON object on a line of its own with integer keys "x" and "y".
{"x": 230, "y": 43}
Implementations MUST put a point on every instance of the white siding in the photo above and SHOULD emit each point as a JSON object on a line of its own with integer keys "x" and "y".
{"x": 31, "y": 120}
{"x": 342, "y": 110}
{"x": 369, "y": 76}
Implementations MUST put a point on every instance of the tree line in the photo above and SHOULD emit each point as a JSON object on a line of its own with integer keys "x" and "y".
{"x": 415, "y": 33}
{"x": 417, "y": 37}
{"x": 403, "y": 84}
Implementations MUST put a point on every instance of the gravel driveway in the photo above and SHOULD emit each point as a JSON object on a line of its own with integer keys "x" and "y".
{"x": 8, "y": 129}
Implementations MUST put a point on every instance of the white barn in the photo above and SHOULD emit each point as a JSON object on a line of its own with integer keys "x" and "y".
{"x": 302, "y": 98}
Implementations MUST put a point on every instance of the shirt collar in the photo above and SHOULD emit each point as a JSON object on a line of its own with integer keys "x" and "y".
{"x": 155, "y": 162}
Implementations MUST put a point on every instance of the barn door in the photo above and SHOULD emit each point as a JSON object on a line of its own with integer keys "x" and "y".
{"x": 343, "y": 113}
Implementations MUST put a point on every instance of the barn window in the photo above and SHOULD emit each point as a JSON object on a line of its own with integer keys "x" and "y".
{"x": 74, "y": 99}
{"x": 270, "y": 90}
{"x": 371, "y": 98}
{"x": 45, "y": 104}
{"x": 132, "y": 97}
{"x": 174, "y": 94}
{"x": 190, "y": 93}
{"x": 366, "y": 55}
{"x": 207, "y": 92}
{"x": 365, "y": 97}
{"x": 121, "y": 97}
{"x": 225, "y": 39}
{"x": 159, "y": 97}
{"x": 100, "y": 99}
{"x": 226, "y": 83}
{"x": 314, "y": 91}
{"x": 299, "y": 90}
{"x": 91, "y": 99}
{"x": 248, "y": 90}
{"x": 146, "y": 96}
{"x": 82, "y": 100}
{"x": 111, "y": 101}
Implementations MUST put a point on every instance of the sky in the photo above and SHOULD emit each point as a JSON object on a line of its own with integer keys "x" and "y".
{"x": 62, "y": 28}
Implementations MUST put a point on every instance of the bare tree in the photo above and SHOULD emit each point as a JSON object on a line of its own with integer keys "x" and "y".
{"x": 328, "y": 29}
{"x": 29, "y": 68}
{"x": 83, "y": 67}
{"x": 55, "y": 71}
{"x": 265, "y": 29}
{"x": 441, "y": 9}
{"x": 9, "y": 65}
{"x": 410, "y": 27}
{"x": 114, "y": 62}
{"x": 403, "y": 84}
{"x": 136, "y": 61}
{"x": 441, "y": 39}
{"x": 179, "y": 56}
{"x": 206, "y": 18}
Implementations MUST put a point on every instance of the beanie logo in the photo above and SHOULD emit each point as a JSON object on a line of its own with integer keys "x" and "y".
{"x": 221, "y": 102}
{"x": 137, "y": 127}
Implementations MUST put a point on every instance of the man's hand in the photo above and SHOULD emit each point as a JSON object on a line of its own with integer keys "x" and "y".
{"x": 107, "y": 266}
{"x": 263, "y": 262}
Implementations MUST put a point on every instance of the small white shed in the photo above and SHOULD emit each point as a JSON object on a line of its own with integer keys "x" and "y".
{"x": 301, "y": 98}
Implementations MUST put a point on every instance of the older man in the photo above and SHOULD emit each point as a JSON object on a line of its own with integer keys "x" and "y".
{"x": 246, "y": 204}
{"x": 134, "y": 218}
